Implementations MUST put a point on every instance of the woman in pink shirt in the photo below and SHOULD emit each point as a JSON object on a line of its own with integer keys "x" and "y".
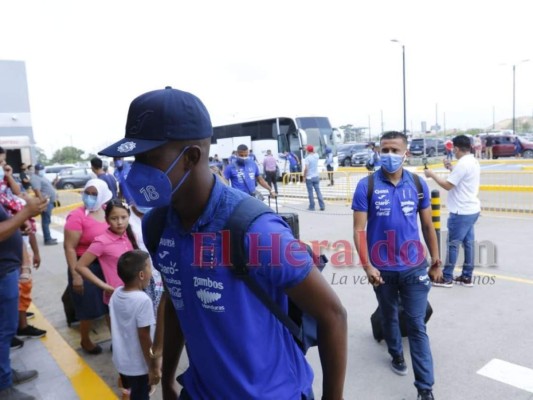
{"x": 82, "y": 226}
{"x": 108, "y": 247}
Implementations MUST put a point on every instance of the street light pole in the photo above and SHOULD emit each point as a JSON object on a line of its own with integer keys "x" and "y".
{"x": 404, "y": 100}
{"x": 514, "y": 94}
{"x": 404, "y": 91}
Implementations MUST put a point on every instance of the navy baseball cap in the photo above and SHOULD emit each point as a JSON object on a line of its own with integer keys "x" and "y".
{"x": 38, "y": 167}
{"x": 160, "y": 116}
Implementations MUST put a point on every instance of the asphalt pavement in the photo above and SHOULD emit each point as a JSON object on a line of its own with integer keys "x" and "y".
{"x": 480, "y": 337}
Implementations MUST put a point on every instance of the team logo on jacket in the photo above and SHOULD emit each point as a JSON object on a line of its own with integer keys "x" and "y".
{"x": 208, "y": 294}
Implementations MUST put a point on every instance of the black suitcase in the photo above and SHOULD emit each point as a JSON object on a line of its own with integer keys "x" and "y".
{"x": 377, "y": 328}
{"x": 291, "y": 219}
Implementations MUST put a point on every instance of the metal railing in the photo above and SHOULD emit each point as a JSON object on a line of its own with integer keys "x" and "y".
{"x": 500, "y": 191}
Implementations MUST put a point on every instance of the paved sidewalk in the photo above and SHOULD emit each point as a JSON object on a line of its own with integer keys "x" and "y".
{"x": 470, "y": 326}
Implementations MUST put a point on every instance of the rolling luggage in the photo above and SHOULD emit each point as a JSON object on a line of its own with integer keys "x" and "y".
{"x": 290, "y": 218}
{"x": 377, "y": 327}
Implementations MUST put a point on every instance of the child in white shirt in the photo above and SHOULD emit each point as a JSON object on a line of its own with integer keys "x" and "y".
{"x": 132, "y": 316}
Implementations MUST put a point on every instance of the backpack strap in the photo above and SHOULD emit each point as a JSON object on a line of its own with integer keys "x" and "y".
{"x": 370, "y": 188}
{"x": 236, "y": 167}
{"x": 153, "y": 224}
{"x": 419, "y": 188}
{"x": 240, "y": 220}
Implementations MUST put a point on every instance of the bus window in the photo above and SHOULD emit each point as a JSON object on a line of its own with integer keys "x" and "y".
{"x": 266, "y": 130}
{"x": 294, "y": 145}
{"x": 287, "y": 126}
{"x": 318, "y": 130}
{"x": 283, "y": 144}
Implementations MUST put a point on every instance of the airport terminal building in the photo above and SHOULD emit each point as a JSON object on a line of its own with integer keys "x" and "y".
{"x": 16, "y": 132}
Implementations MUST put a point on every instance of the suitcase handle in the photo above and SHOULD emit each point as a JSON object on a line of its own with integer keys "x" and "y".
{"x": 276, "y": 200}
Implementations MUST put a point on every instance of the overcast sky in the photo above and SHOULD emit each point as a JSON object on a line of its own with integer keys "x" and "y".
{"x": 86, "y": 61}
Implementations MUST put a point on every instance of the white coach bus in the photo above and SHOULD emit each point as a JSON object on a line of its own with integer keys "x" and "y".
{"x": 278, "y": 134}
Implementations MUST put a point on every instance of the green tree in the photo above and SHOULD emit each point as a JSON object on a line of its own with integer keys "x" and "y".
{"x": 41, "y": 156}
{"x": 67, "y": 155}
{"x": 349, "y": 133}
{"x": 90, "y": 156}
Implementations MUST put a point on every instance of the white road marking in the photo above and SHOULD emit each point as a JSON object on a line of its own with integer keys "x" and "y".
{"x": 511, "y": 374}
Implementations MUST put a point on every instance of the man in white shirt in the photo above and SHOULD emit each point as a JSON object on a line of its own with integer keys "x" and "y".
{"x": 464, "y": 207}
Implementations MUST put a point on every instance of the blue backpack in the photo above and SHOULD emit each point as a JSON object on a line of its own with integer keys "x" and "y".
{"x": 302, "y": 326}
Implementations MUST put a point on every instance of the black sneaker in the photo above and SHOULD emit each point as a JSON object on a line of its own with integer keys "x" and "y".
{"x": 398, "y": 365}
{"x": 16, "y": 343}
{"x": 425, "y": 394}
{"x": 50, "y": 242}
{"x": 29, "y": 315}
{"x": 30, "y": 332}
{"x": 463, "y": 280}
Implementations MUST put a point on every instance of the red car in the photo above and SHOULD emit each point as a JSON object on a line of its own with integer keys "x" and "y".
{"x": 504, "y": 146}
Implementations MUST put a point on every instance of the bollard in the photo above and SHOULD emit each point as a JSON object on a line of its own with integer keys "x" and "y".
{"x": 435, "y": 213}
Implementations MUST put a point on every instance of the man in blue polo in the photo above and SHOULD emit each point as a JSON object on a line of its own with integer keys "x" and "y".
{"x": 243, "y": 173}
{"x": 223, "y": 324}
{"x": 393, "y": 256}
{"x": 294, "y": 165}
{"x": 121, "y": 173}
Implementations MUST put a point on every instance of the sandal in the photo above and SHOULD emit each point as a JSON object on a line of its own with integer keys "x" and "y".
{"x": 94, "y": 351}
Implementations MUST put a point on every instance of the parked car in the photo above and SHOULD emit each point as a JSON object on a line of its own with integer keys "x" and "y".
{"x": 360, "y": 157}
{"x": 434, "y": 147}
{"x": 346, "y": 151}
{"x": 72, "y": 178}
{"x": 504, "y": 146}
{"x": 51, "y": 171}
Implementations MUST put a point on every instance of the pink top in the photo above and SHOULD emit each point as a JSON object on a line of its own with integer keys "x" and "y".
{"x": 108, "y": 247}
{"x": 88, "y": 226}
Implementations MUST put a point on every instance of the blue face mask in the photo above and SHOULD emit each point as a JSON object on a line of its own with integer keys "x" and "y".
{"x": 89, "y": 201}
{"x": 150, "y": 187}
{"x": 391, "y": 162}
{"x": 241, "y": 160}
{"x": 119, "y": 163}
{"x": 2, "y": 173}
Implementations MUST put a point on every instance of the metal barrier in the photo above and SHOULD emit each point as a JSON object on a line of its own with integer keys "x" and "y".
{"x": 500, "y": 191}
{"x": 294, "y": 186}
{"x": 69, "y": 199}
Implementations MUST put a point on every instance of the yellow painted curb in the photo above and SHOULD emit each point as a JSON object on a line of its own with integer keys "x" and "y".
{"x": 506, "y": 188}
{"x": 70, "y": 207}
{"x": 85, "y": 382}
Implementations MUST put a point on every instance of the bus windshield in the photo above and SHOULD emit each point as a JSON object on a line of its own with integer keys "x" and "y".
{"x": 319, "y": 133}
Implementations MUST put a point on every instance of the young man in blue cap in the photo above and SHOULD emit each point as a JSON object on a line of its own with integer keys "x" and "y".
{"x": 223, "y": 324}
{"x": 387, "y": 240}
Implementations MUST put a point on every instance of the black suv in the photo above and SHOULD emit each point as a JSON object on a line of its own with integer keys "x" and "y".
{"x": 434, "y": 147}
{"x": 346, "y": 151}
